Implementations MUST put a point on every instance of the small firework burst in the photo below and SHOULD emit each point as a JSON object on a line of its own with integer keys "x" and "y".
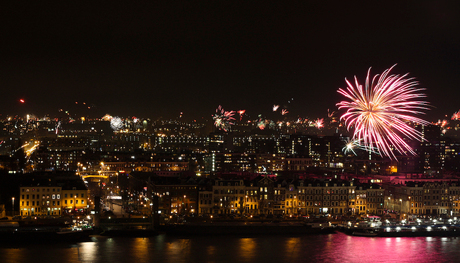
{"x": 116, "y": 123}
{"x": 223, "y": 119}
{"x": 319, "y": 123}
{"x": 456, "y": 116}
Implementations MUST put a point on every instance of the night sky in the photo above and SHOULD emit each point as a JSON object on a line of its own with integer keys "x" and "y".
{"x": 157, "y": 60}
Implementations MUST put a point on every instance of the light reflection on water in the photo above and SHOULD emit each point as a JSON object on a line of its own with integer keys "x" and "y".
{"x": 322, "y": 248}
{"x": 247, "y": 245}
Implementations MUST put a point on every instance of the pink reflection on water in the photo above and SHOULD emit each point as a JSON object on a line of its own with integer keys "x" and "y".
{"x": 377, "y": 249}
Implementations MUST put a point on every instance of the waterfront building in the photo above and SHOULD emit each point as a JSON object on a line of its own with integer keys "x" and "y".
{"x": 266, "y": 194}
{"x": 52, "y": 194}
{"x": 415, "y": 198}
{"x": 454, "y": 197}
{"x": 176, "y": 198}
{"x": 206, "y": 202}
{"x": 375, "y": 195}
{"x": 326, "y": 197}
{"x": 36, "y": 200}
{"x": 75, "y": 200}
{"x": 313, "y": 197}
{"x": 431, "y": 198}
{"x": 229, "y": 197}
{"x": 279, "y": 198}
{"x": 435, "y": 198}
{"x": 251, "y": 201}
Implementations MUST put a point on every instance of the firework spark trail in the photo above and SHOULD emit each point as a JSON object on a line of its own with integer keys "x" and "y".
{"x": 351, "y": 145}
{"x": 379, "y": 111}
{"x": 275, "y": 107}
{"x": 58, "y": 127}
{"x": 241, "y": 113}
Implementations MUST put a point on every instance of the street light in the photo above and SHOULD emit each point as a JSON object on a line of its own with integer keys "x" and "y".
{"x": 74, "y": 203}
{"x": 12, "y": 200}
{"x": 246, "y": 206}
{"x": 400, "y": 206}
{"x": 185, "y": 204}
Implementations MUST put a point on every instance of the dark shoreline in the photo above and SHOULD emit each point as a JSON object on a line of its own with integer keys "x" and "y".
{"x": 244, "y": 229}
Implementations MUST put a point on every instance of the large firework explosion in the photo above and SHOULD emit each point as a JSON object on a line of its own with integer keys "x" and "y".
{"x": 223, "y": 119}
{"x": 382, "y": 110}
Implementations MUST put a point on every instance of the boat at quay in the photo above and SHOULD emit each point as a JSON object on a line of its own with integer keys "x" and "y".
{"x": 403, "y": 231}
{"x": 12, "y": 232}
{"x": 419, "y": 228}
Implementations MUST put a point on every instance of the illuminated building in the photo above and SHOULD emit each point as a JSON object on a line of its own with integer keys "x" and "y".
{"x": 270, "y": 163}
{"x": 175, "y": 197}
{"x": 415, "y": 198}
{"x": 40, "y": 200}
{"x": 143, "y": 166}
{"x": 229, "y": 197}
{"x": 52, "y": 194}
{"x": 279, "y": 198}
{"x": 298, "y": 163}
{"x": 369, "y": 200}
{"x": 292, "y": 201}
{"x": 327, "y": 197}
{"x": 206, "y": 202}
{"x": 75, "y": 200}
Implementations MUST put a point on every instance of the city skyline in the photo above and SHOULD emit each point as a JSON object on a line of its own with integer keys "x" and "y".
{"x": 163, "y": 59}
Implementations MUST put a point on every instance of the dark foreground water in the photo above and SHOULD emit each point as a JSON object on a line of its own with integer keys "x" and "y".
{"x": 322, "y": 248}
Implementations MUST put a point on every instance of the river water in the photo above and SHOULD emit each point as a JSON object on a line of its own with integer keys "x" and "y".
{"x": 315, "y": 248}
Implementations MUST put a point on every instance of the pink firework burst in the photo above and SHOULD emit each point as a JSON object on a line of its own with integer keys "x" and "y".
{"x": 284, "y": 112}
{"x": 456, "y": 116}
{"x": 381, "y": 111}
{"x": 223, "y": 119}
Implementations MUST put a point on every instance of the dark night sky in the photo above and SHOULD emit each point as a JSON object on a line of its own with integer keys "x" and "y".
{"x": 152, "y": 60}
